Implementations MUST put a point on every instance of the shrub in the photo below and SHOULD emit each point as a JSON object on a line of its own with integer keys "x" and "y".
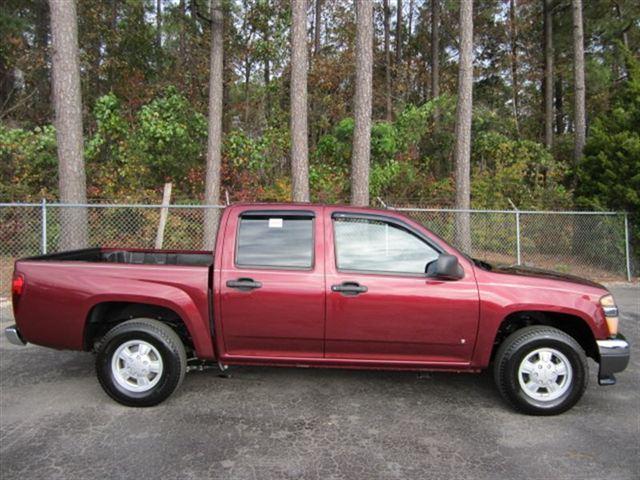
{"x": 29, "y": 162}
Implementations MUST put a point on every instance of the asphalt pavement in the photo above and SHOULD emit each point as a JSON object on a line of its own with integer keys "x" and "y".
{"x": 261, "y": 423}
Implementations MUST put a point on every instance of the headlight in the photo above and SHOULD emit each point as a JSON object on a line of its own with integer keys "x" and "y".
{"x": 610, "y": 310}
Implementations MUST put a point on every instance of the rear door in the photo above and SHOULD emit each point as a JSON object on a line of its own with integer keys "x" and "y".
{"x": 272, "y": 283}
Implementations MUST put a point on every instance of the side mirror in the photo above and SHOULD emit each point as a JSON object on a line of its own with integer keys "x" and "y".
{"x": 445, "y": 267}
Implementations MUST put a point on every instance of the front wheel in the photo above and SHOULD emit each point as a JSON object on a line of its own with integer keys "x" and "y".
{"x": 141, "y": 362}
{"x": 541, "y": 370}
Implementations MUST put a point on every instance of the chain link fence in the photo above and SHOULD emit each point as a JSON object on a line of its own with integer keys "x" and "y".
{"x": 35, "y": 229}
{"x": 589, "y": 244}
{"x": 593, "y": 245}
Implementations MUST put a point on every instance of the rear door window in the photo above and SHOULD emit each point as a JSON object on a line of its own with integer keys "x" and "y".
{"x": 275, "y": 241}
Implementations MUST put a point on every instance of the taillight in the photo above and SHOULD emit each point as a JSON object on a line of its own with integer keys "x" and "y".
{"x": 17, "y": 285}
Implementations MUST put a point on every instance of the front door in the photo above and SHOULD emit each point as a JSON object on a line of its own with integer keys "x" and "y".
{"x": 380, "y": 305}
{"x": 272, "y": 284}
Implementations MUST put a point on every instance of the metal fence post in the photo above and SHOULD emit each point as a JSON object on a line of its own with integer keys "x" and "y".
{"x": 626, "y": 245}
{"x": 518, "y": 252}
{"x": 43, "y": 219}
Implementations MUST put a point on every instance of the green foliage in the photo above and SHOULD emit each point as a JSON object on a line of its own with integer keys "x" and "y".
{"x": 264, "y": 156}
{"x": 257, "y": 168}
{"x": 409, "y": 154}
{"x": 383, "y": 176}
{"x": 384, "y": 142}
{"x": 608, "y": 176}
{"x": 28, "y": 162}
{"x": 518, "y": 170}
{"x": 111, "y": 130}
{"x": 164, "y": 141}
{"x": 328, "y": 183}
{"x": 388, "y": 139}
{"x": 171, "y": 136}
{"x": 141, "y": 132}
{"x": 416, "y": 121}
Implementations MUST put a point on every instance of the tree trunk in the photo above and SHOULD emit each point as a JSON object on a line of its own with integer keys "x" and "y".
{"x": 41, "y": 25}
{"x": 410, "y": 24}
{"x": 267, "y": 93}
{"x": 362, "y": 104}
{"x": 214, "y": 145}
{"x": 182, "y": 49}
{"x": 399, "y": 34}
{"x": 227, "y": 77}
{"x": 387, "y": 61}
{"x": 435, "y": 52}
{"x": 159, "y": 23}
{"x": 407, "y": 71}
{"x": 580, "y": 125}
{"x": 624, "y": 37}
{"x": 462, "y": 152}
{"x": 559, "y": 105}
{"x": 548, "y": 74}
{"x": 67, "y": 102}
{"x": 6, "y": 82}
{"x": 299, "y": 134}
{"x": 111, "y": 39}
{"x": 94, "y": 48}
{"x": 515, "y": 87}
{"x": 625, "y": 32}
{"x": 43, "y": 84}
{"x": 317, "y": 27}
{"x": 247, "y": 79}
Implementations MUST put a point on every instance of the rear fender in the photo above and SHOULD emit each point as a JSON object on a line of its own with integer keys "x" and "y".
{"x": 173, "y": 299}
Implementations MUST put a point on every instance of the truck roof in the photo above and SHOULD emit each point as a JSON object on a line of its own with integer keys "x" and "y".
{"x": 303, "y": 205}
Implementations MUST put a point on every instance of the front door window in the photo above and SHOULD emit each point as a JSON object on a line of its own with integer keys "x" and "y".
{"x": 371, "y": 245}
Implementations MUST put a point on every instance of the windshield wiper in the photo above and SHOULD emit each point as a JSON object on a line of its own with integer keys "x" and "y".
{"x": 482, "y": 264}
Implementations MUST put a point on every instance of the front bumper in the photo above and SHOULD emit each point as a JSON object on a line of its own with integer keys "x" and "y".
{"x": 614, "y": 357}
{"x": 13, "y": 335}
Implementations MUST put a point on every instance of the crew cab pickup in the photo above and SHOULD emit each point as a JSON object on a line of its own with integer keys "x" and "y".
{"x": 322, "y": 286}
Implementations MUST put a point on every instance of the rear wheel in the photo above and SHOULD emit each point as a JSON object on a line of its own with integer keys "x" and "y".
{"x": 141, "y": 362}
{"x": 541, "y": 370}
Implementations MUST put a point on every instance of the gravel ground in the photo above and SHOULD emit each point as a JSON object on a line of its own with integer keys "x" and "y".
{"x": 56, "y": 423}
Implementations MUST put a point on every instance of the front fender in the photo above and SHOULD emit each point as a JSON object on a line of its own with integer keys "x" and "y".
{"x": 497, "y": 304}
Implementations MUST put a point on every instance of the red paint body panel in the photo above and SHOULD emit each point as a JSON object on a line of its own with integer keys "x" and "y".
{"x": 285, "y": 317}
{"x": 401, "y": 322}
{"x": 401, "y": 317}
{"x": 502, "y": 294}
{"x": 59, "y": 296}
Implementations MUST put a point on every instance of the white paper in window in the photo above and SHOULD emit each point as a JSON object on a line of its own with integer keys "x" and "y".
{"x": 275, "y": 223}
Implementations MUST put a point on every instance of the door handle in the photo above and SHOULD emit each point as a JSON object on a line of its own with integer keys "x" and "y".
{"x": 349, "y": 288}
{"x": 244, "y": 284}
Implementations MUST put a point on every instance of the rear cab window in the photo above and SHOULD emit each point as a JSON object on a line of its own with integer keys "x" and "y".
{"x": 280, "y": 240}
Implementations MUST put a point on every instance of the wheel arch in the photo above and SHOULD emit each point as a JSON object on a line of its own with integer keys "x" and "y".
{"x": 572, "y": 325}
{"x": 105, "y": 315}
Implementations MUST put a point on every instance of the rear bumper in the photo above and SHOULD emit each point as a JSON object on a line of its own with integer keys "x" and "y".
{"x": 13, "y": 335}
{"x": 614, "y": 357}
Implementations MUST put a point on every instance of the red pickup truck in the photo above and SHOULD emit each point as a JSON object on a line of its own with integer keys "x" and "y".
{"x": 322, "y": 286}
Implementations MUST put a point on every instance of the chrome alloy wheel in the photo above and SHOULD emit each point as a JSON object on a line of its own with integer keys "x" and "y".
{"x": 545, "y": 374}
{"x": 136, "y": 366}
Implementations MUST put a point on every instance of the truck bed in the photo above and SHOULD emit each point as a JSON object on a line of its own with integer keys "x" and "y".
{"x": 62, "y": 290}
{"x": 131, "y": 256}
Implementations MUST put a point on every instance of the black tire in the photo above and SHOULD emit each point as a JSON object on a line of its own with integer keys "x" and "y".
{"x": 521, "y": 345}
{"x": 164, "y": 340}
